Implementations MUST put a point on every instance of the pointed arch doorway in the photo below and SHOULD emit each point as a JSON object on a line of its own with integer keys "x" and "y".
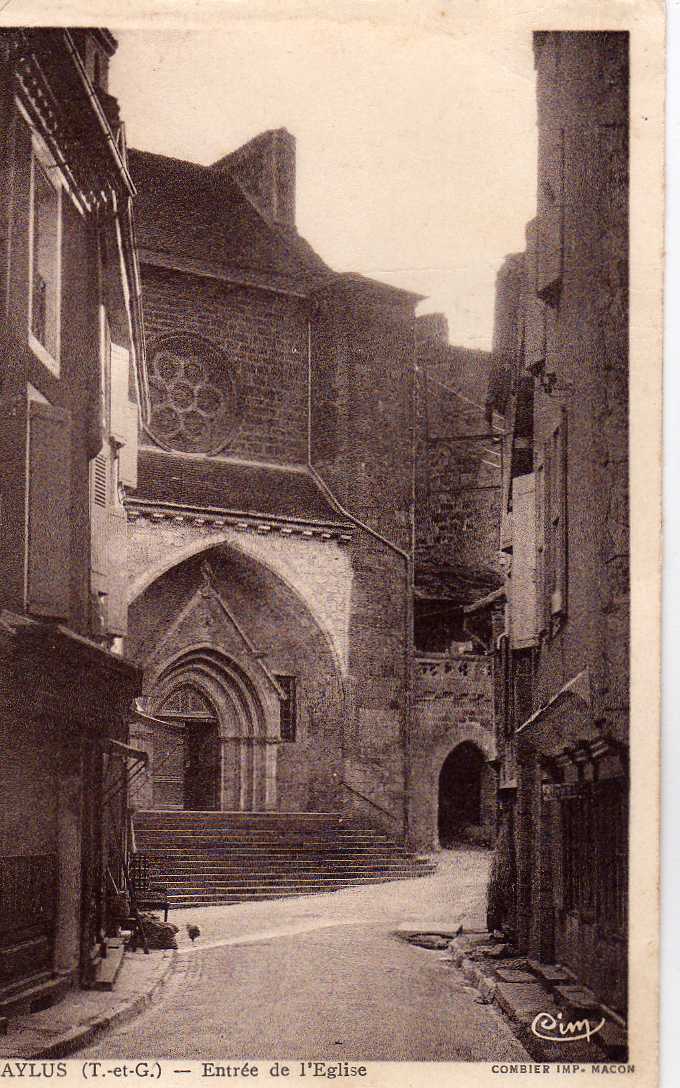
{"x": 187, "y": 769}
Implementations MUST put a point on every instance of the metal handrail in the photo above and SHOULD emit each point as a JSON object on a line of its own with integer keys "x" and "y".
{"x": 369, "y": 801}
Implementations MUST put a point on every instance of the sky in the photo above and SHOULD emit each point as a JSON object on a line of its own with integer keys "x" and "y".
{"x": 416, "y": 140}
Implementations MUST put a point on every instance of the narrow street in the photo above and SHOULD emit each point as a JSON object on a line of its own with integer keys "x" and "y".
{"x": 326, "y": 977}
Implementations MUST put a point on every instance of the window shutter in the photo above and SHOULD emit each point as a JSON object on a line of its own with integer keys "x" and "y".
{"x": 506, "y": 515}
{"x": 548, "y": 543}
{"x": 127, "y": 454}
{"x": 99, "y": 502}
{"x": 120, "y": 366}
{"x": 558, "y": 518}
{"x": 115, "y": 602}
{"x": 49, "y": 511}
{"x": 523, "y": 626}
{"x": 540, "y": 537}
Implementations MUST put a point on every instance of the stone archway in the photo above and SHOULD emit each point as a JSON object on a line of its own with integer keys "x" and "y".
{"x": 213, "y": 749}
{"x": 460, "y": 808}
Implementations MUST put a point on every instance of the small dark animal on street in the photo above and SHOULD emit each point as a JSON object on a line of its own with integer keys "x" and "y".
{"x": 193, "y": 931}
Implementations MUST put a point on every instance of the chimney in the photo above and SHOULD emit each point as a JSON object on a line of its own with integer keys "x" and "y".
{"x": 432, "y": 327}
{"x": 265, "y": 170}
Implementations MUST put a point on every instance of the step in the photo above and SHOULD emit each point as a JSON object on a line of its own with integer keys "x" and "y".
{"x": 207, "y": 858}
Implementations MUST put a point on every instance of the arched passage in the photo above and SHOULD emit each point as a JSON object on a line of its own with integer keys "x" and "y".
{"x": 460, "y": 794}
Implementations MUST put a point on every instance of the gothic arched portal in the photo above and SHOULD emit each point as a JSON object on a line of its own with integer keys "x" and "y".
{"x": 211, "y": 751}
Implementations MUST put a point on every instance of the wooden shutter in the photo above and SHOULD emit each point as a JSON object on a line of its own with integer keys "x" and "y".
{"x": 558, "y": 518}
{"x": 100, "y": 473}
{"x": 541, "y": 612}
{"x": 120, "y": 367}
{"x": 49, "y": 511}
{"x": 115, "y": 602}
{"x": 523, "y": 626}
{"x": 127, "y": 454}
{"x": 124, "y": 421}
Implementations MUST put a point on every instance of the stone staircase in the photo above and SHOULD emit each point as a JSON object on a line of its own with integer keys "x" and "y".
{"x": 205, "y": 858}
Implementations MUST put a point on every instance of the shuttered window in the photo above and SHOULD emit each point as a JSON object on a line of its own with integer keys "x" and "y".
{"x": 45, "y": 261}
{"x": 116, "y": 598}
{"x": 49, "y": 509}
{"x": 123, "y": 416}
{"x": 108, "y": 553}
{"x": 99, "y": 501}
{"x": 551, "y": 518}
{"x": 523, "y": 625}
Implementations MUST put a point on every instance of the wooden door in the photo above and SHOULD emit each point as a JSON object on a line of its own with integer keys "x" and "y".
{"x": 169, "y": 758}
{"x": 202, "y": 766}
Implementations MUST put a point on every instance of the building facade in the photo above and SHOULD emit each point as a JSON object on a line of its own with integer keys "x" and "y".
{"x": 559, "y": 388}
{"x": 456, "y": 592}
{"x": 71, "y": 358}
{"x": 270, "y": 544}
{"x": 276, "y": 543}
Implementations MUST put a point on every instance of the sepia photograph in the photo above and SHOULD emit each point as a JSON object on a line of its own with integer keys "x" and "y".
{"x": 319, "y": 330}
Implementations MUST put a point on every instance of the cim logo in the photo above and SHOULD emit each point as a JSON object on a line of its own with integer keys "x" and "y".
{"x": 558, "y": 1030}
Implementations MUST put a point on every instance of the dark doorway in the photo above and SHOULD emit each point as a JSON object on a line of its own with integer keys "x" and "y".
{"x": 460, "y": 794}
{"x": 201, "y": 767}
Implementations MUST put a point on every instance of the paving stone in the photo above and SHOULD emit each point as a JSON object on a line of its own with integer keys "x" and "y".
{"x": 577, "y": 998}
{"x": 529, "y": 998}
{"x": 512, "y": 974}
{"x": 551, "y": 972}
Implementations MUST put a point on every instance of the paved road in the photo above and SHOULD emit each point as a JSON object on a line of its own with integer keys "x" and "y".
{"x": 325, "y": 977}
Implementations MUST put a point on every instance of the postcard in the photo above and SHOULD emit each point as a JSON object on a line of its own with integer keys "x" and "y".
{"x": 330, "y": 579}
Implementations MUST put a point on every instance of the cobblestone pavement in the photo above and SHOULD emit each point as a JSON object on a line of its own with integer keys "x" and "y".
{"x": 326, "y": 977}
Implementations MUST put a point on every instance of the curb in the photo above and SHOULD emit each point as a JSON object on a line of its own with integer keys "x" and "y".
{"x": 473, "y": 974}
{"x": 84, "y": 1034}
{"x": 539, "y": 1050}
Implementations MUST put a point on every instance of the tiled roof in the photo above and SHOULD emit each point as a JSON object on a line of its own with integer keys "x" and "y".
{"x": 458, "y": 584}
{"x": 230, "y": 485}
{"x": 197, "y": 212}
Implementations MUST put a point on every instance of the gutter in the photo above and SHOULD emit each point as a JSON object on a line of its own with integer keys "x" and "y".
{"x": 99, "y": 113}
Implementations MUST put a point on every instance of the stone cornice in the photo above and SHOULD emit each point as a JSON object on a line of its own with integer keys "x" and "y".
{"x": 167, "y": 514}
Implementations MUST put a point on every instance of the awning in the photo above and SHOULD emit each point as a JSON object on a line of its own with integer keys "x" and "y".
{"x": 135, "y": 762}
{"x": 565, "y": 722}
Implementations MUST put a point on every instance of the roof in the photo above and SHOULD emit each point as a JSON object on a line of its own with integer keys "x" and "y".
{"x": 459, "y": 585}
{"x": 230, "y": 485}
{"x": 202, "y": 213}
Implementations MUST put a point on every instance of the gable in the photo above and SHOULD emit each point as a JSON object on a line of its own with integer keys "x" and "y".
{"x": 202, "y": 214}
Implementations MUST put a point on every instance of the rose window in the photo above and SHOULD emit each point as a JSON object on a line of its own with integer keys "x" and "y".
{"x": 193, "y": 407}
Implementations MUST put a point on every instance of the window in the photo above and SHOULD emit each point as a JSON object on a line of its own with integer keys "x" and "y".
{"x": 45, "y": 270}
{"x": 551, "y": 517}
{"x": 288, "y": 707}
{"x": 595, "y": 825}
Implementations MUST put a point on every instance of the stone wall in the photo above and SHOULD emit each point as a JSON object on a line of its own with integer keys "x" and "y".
{"x": 264, "y": 338}
{"x": 457, "y": 479}
{"x": 453, "y": 705}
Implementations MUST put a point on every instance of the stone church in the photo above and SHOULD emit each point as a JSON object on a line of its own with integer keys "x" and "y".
{"x": 272, "y": 532}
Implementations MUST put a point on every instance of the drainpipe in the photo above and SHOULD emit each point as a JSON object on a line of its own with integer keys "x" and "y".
{"x": 409, "y": 569}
